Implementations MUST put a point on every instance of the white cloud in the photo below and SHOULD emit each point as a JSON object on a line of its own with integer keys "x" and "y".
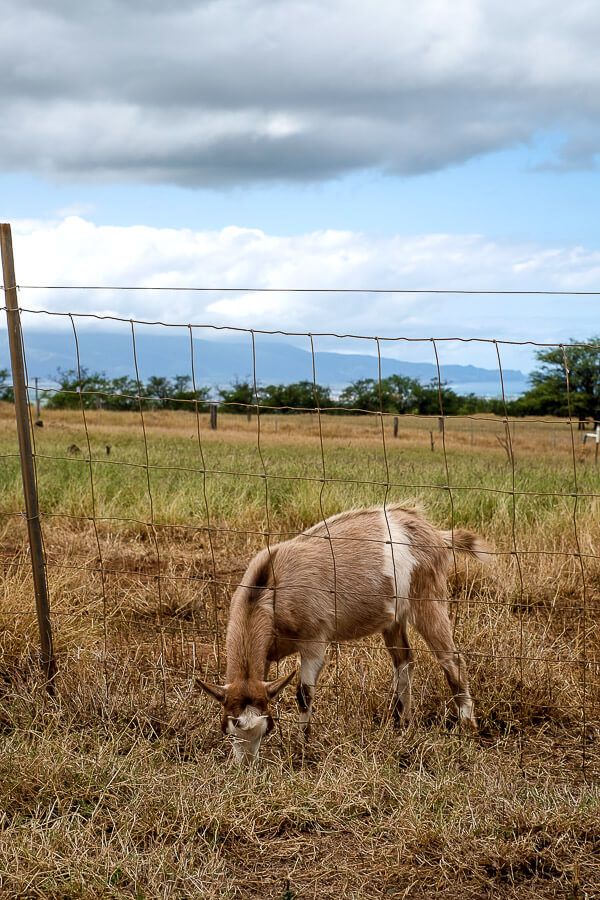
{"x": 75, "y": 252}
{"x": 227, "y": 92}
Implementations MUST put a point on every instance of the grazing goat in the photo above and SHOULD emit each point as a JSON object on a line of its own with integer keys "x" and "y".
{"x": 357, "y": 573}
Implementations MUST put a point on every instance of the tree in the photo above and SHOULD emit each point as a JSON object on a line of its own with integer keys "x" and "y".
{"x": 549, "y": 395}
{"x": 157, "y": 389}
{"x": 298, "y": 395}
{"x": 76, "y": 388}
{"x": 96, "y": 391}
{"x": 360, "y": 395}
{"x": 181, "y": 384}
{"x": 6, "y": 390}
{"x": 394, "y": 394}
{"x": 398, "y": 393}
{"x": 182, "y": 397}
{"x": 239, "y": 396}
{"x": 122, "y": 394}
{"x": 401, "y": 394}
{"x": 434, "y": 399}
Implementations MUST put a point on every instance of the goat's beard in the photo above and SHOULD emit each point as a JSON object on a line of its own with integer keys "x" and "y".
{"x": 247, "y": 736}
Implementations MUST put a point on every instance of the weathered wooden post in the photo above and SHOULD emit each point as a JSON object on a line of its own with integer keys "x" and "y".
{"x": 38, "y": 415}
{"x": 395, "y": 426}
{"x": 37, "y": 397}
{"x": 34, "y": 530}
{"x": 213, "y": 416}
{"x": 441, "y": 424}
{"x": 431, "y": 441}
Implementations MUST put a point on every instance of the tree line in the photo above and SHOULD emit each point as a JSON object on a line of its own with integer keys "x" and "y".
{"x": 565, "y": 382}
{"x": 6, "y": 391}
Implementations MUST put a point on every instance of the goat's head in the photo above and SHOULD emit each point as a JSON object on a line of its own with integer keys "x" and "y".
{"x": 246, "y": 715}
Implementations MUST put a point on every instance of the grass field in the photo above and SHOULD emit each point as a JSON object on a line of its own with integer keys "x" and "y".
{"x": 120, "y": 785}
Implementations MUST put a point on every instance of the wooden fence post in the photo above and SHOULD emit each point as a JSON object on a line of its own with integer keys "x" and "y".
{"x": 213, "y": 416}
{"x": 34, "y": 530}
{"x": 441, "y": 424}
{"x": 396, "y": 426}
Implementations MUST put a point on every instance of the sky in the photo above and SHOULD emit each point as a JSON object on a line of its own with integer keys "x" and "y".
{"x": 308, "y": 144}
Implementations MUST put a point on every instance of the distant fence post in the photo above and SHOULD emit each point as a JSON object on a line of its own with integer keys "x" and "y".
{"x": 395, "y": 426}
{"x": 441, "y": 424}
{"x": 593, "y": 436}
{"x": 34, "y": 530}
{"x": 213, "y": 416}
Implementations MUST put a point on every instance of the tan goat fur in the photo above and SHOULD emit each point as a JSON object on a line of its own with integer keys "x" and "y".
{"x": 357, "y": 573}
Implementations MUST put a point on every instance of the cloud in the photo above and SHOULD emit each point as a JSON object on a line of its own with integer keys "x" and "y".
{"x": 76, "y": 253}
{"x": 237, "y": 91}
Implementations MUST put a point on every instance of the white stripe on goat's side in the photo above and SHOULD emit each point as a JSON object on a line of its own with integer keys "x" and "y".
{"x": 397, "y": 556}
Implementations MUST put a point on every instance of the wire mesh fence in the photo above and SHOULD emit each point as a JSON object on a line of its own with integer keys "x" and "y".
{"x": 149, "y": 517}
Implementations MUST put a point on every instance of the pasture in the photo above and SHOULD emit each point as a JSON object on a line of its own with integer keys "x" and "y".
{"x": 120, "y": 785}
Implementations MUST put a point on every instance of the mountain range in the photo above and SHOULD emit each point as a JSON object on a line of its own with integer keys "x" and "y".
{"x": 220, "y": 362}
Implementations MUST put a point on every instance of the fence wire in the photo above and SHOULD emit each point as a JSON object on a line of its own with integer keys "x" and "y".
{"x": 132, "y": 560}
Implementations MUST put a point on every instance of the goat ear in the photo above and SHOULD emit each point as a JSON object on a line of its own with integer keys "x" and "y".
{"x": 216, "y": 691}
{"x": 275, "y": 687}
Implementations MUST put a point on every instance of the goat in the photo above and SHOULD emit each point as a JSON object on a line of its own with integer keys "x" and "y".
{"x": 350, "y": 576}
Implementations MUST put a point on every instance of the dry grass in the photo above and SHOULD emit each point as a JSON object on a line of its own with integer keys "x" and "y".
{"x": 120, "y": 786}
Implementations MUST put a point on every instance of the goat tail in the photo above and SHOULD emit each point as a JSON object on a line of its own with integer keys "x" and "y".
{"x": 467, "y": 542}
{"x": 259, "y": 575}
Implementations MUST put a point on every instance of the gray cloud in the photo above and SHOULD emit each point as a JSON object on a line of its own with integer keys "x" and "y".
{"x": 236, "y": 91}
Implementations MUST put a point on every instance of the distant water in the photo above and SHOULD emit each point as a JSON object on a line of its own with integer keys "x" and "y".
{"x": 490, "y": 389}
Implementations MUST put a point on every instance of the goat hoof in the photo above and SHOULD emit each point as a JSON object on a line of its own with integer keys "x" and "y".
{"x": 401, "y": 723}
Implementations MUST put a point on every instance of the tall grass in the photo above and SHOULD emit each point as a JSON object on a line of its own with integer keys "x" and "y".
{"x": 120, "y": 786}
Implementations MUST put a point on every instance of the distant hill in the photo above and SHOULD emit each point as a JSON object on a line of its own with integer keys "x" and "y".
{"x": 220, "y": 362}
